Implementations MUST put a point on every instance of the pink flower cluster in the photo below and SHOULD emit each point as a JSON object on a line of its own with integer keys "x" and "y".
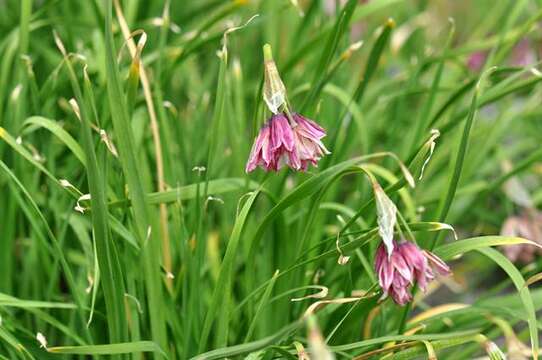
{"x": 406, "y": 264}
{"x": 281, "y": 142}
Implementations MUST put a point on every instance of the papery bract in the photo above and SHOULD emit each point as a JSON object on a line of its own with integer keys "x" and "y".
{"x": 281, "y": 142}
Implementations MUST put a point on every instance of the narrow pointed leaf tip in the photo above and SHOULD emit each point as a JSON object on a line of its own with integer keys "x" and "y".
{"x": 386, "y": 213}
{"x": 430, "y": 144}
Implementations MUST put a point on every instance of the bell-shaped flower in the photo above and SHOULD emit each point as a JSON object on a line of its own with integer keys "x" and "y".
{"x": 274, "y": 145}
{"x": 406, "y": 264}
{"x": 286, "y": 138}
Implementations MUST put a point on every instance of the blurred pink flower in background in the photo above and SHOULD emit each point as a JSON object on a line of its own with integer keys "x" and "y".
{"x": 523, "y": 54}
{"x": 528, "y": 226}
{"x": 476, "y": 60}
{"x": 357, "y": 28}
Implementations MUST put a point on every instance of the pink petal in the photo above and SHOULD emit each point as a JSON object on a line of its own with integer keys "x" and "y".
{"x": 413, "y": 255}
{"x": 308, "y": 127}
{"x": 256, "y": 157}
{"x": 437, "y": 262}
{"x": 386, "y": 276}
{"x": 401, "y": 266}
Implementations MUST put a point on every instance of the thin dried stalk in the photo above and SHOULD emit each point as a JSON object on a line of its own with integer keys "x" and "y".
{"x": 132, "y": 48}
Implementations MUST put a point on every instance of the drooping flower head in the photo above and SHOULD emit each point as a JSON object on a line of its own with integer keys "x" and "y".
{"x": 282, "y": 142}
{"x": 274, "y": 145}
{"x": 406, "y": 265}
{"x": 287, "y": 138}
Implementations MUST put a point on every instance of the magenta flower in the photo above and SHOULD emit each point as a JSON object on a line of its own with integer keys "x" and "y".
{"x": 394, "y": 274}
{"x": 274, "y": 145}
{"x": 406, "y": 264}
{"x": 280, "y": 143}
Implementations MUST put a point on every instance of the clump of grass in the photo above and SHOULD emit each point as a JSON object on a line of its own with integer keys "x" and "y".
{"x": 130, "y": 228}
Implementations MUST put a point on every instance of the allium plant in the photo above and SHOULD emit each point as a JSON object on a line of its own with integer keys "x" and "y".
{"x": 286, "y": 138}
